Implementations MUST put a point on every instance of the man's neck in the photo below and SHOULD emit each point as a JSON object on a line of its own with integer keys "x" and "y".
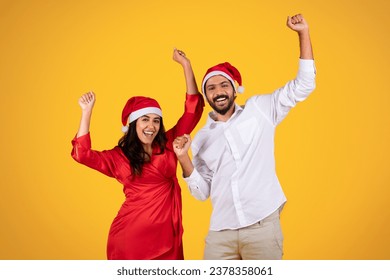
{"x": 227, "y": 116}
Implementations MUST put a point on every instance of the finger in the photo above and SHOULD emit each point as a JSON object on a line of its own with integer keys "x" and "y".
{"x": 83, "y": 98}
{"x": 175, "y": 53}
{"x": 296, "y": 18}
{"x": 182, "y": 141}
{"x": 87, "y": 98}
{"x": 92, "y": 96}
{"x": 299, "y": 17}
{"x": 180, "y": 52}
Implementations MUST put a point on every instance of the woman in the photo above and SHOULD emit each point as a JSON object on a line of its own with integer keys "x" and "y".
{"x": 149, "y": 223}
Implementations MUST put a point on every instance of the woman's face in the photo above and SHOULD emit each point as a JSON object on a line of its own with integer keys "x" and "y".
{"x": 147, "y": 128}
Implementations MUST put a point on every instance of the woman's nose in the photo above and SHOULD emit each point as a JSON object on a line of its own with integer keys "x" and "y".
{"x": 150, "y": 125}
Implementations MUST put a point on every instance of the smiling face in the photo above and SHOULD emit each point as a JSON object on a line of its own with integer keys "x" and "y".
{"x": 147, "y": 127}
{"x": 220, "y": 95}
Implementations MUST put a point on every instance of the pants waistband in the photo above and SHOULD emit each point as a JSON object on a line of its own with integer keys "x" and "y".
{"x": 274, "y": 216}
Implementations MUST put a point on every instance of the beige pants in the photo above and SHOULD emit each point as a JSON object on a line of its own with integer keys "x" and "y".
{"x": 260, "y": 241}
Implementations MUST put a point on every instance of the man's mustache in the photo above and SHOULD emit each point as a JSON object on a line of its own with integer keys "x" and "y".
{"x": 219, "y": 96}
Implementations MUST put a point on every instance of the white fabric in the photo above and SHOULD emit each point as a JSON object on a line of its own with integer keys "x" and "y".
{"x": 216, "y": 73}
{"x": 234, "y": 160}
{"x": 144, "y": 111}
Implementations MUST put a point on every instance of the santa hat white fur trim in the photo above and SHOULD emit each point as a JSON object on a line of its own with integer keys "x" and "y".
{"x": 144, "y": 111}
{"x": 141, "y": 112}
{"x": 239, "y": 89}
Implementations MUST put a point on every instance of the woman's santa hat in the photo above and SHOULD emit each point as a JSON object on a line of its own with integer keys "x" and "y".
{"x": 228, "y": 71}
{"x": 136, "y": 107}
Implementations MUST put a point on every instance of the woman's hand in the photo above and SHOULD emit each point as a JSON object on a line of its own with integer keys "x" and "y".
{"x": 87, "y": 101}
{"x": 180, "y": 57}
{"x": 181, "y": 145}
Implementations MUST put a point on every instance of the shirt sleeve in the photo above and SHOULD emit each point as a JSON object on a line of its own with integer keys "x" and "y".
{"x": 102, "y": 161}
{"x": 198, "y": 186}
{"x": 277, "y": 105}
{"x": 193, "y": 109}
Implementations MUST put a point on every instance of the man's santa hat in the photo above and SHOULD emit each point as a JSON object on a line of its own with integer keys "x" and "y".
{"x": 136, "y": 107}
{"x": 228, "y": 71}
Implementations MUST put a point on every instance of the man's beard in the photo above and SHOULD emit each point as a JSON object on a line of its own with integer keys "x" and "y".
{"x": 224, "y": 110}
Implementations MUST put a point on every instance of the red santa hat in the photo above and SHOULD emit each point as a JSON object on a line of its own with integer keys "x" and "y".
{"x": 228, "y": 71}
{"x": 136, "y": 107}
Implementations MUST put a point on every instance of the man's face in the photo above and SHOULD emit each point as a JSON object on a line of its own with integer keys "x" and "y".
{"x": 220, "y": 94}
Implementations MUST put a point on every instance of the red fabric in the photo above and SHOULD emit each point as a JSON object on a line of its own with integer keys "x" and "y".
{"x": 137, "y": 103}
{"x": 149, "y": 222}
{"x": 232, "y": 74}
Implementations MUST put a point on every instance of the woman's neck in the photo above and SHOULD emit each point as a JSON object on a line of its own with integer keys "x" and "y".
{"x": 148, "y": 149}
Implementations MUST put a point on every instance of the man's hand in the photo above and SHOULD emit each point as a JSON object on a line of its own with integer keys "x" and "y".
{"x": 297, "y": 23}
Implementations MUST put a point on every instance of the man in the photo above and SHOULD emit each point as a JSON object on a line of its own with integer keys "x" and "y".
{"x": 233, "y": 158}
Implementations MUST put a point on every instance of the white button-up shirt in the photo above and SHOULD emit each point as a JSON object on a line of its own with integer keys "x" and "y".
{"x": 234, "y": 160}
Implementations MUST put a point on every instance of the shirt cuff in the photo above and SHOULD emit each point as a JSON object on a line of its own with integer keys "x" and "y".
{"x": 307, "y": 65}
{"x": 193, "y": 178}
{"x": 193, "y": 183}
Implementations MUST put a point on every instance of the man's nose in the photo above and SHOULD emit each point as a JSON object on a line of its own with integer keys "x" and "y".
{"x": 219, "y": 90}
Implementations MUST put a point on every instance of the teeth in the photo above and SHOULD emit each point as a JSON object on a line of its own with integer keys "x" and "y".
{"x": 221, "y": 98}
{"x": 148, "y": 132}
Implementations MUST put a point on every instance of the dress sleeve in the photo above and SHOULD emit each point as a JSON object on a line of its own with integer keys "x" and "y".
{"x": 193, "y": 109}
{"x": 102, "y": 161}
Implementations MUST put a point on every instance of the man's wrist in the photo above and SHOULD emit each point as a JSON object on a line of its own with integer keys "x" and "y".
{"x": 304, "y": 33}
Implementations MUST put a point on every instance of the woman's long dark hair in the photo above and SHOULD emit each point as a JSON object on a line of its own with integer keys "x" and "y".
{"x": 133, "y": 149}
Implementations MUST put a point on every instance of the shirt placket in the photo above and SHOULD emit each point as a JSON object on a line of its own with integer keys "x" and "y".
{"x": 235, "y": 177}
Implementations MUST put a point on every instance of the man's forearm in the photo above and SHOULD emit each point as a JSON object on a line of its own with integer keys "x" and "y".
{"x": 306, "y": 51}
{"x": 186, "y": 165}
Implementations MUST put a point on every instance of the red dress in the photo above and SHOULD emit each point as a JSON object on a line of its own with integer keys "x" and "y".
{"x": 149, "y": 223}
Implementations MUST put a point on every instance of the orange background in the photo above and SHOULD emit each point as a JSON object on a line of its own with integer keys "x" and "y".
{"x": 332, "y": 150}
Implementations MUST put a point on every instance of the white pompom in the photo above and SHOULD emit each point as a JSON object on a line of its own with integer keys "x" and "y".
{"x": 125, "y": 129}
{"x": 240, "y": 89}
